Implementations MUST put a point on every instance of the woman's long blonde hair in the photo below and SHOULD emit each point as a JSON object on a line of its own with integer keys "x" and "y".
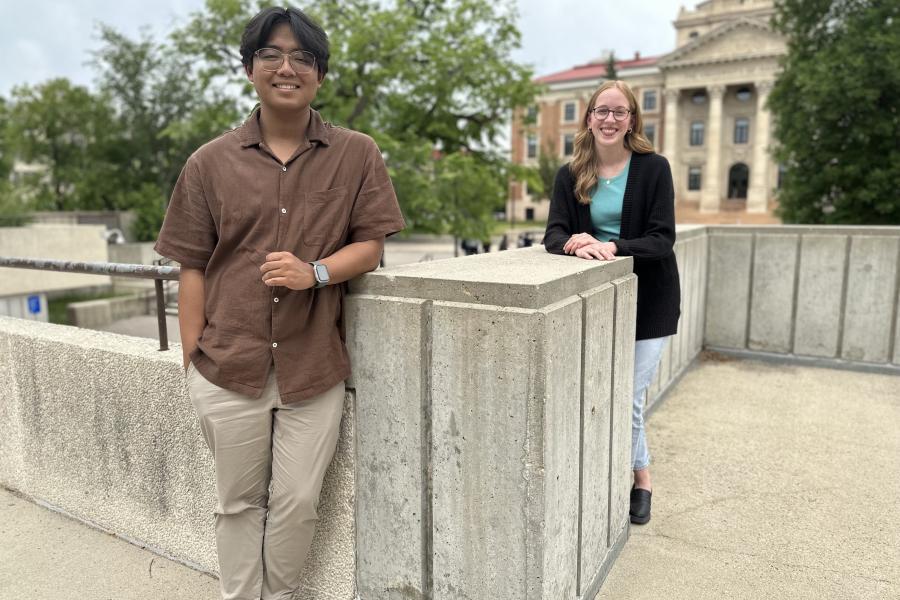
{"x": 585, "y": 162}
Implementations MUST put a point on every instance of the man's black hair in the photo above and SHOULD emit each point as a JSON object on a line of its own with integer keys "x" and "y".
{"x": 309, "y": 34}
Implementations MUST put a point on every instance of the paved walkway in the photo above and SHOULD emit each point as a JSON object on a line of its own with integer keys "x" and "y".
{"x": 772, "y": 482}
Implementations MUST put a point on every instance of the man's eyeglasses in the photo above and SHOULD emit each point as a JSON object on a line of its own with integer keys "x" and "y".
{"x": 271, "y": 59}
{"x": 619, "y": 114}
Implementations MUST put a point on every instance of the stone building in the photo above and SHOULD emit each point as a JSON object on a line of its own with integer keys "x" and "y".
{"x": 703, "y": 106}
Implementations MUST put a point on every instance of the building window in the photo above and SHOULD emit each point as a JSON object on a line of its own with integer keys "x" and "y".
{"x": 531, "y": 114}
{"x": 569, "y": 112}
{"x": 782, "y": 171}
{"x": 697, "y": 133}
{"x": 743, "y": 94}
{"x": 741, "y": 130}
{"x": 650, "y": 132}
{"x": 569, "y": 144}
{"x": 529, "y": 214}
{"x": 694, "y": 178}
{"x": 693, "y": 34}
{"x": 699, "y": 97}
{"x": 532, "y": 146}
{"x": 650, "y": 100}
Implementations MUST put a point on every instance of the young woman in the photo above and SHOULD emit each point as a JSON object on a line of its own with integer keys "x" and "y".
{"x": 616, "y": 199}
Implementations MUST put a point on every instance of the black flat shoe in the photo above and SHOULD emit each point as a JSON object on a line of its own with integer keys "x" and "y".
{"x": 640, "y": 506}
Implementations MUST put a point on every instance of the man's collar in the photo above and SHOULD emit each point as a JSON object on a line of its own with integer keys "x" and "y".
{"x": 250, "y": 133}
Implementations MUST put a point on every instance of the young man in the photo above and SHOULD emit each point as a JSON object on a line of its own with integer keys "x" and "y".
{"x": 267, "y": 221}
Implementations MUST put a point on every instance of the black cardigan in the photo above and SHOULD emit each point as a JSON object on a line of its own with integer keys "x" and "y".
{"x": 647, "y": 233}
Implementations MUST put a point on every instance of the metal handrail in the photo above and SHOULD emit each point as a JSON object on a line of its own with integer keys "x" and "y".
{"x": 157, "y": 273}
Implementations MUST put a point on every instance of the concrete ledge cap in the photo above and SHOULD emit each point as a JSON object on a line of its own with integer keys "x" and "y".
{"x": 524, "y": 278}
{"x": 876, "y": 230}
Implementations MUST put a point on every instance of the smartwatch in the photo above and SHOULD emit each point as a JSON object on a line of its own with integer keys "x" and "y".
{"x": 320, "y": 272}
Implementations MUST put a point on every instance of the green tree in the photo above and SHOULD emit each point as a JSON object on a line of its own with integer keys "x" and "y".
{"x": 611, "y": 72}
{"x": 835, "y": 108}
{"x": 54, "y": 125}
{"x": 549, "y": 163}
{"x": 12, "y": 208}
{"x": 6, "y": 151}
{"x": 162, "y": 113}
{"x": 416, "y": 75}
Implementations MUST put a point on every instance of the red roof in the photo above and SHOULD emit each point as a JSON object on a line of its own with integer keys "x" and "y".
{"x": 595, "y": 70}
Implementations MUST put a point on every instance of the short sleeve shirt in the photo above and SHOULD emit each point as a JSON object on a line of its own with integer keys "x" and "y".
{"x": 234, "y": 203}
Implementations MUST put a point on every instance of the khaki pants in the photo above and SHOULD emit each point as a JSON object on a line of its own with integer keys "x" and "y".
{"x": 263, "y": 536}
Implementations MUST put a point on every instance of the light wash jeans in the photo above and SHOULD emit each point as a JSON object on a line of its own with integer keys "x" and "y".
{"x": 646, "y": 361}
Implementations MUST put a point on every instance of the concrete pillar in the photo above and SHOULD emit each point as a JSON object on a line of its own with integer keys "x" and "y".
{"x": 711, "y": 193}
{"x": 758, "y": 194}
{"x": 670, "y": 139}
{"x": 494, "y": 396}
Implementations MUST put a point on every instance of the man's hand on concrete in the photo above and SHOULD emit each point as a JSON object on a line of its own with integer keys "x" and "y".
{"x": 283, "y": 268}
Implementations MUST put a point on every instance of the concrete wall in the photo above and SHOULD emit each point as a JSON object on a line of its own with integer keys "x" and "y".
{"x": 494, "y": 425}
{"x": 138, "y": 253}
{"x": 96, "y": 314}
{"x": 692, "y": 254}
{"x": 99, "y": 426}
{"x": 62, "y": 242}
{"x": 828, "y": 294}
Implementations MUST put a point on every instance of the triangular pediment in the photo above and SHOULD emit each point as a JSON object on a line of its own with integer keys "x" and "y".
{"x": 738, "y": 40}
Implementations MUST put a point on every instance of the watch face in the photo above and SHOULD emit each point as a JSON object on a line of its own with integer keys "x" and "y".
{"x": 321, "y": 272}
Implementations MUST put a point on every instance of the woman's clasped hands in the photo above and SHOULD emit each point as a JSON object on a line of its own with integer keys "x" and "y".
{"x": 584, "y": 245}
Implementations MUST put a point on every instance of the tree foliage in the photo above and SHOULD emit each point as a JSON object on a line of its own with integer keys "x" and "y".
{"x": 55, "y": 127}
{"x": 549, "y": 163}
{"x": 835, "y": 107}
{"x": 432, "y": 81}
{"x": 611, "y": 72}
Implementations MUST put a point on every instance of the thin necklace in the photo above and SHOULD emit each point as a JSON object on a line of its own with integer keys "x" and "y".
{"x": 613, "y": 178}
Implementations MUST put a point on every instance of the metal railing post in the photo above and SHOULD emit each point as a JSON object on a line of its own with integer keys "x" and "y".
{"x": 161, "y": 315}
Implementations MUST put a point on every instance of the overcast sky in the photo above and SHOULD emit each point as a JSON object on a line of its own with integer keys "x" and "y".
{"x": 52, "y": 38}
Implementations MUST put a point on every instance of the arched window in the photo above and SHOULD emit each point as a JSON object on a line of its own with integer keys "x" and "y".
{"x": 738, "y": 178}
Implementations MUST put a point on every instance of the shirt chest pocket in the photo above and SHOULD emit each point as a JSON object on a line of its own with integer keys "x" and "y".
{"x": 325, "y": 217}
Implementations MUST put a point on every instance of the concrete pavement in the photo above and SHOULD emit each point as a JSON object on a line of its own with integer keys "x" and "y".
{"x": 47, "y": 556}
{"x": 770, "y": 482}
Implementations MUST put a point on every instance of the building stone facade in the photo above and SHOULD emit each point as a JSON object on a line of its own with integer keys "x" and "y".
{"x": 704, "y": 108}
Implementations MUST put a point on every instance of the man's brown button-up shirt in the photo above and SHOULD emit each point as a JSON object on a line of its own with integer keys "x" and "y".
{"x": 233, "y": 204}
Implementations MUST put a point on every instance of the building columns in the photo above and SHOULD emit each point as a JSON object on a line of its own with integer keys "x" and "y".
{"x": 758, "y": 194}
{"x": 711, "y": 193}
{"x": 670, "y": 139}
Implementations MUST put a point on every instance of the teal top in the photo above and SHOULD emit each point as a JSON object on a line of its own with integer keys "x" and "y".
{"x": 606, "y": 205}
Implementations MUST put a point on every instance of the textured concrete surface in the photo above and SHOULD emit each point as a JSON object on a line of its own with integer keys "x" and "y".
{"x": 524, "y": 278}
{"x": 48, "y": 556}
{"x": 623, "y": 393}
{"x": 828, "y": 293}
{"x": 392, "y": 517}
{"x": 61, "y": 242}
{"x": 770, "y": 481}
{"x": 820, "y": 294}
{"x": 472, "y": 412}
{"x": 772, "y": 296}
{"x": 100, "y": 426}
{"x": 596, "y": 412}
{"x": 871, "y": 287}
{"x": 728, "y": 290}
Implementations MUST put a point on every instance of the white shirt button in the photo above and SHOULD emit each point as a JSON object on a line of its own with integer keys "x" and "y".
{"x": 284, "y": 211}
{"x": 283, "y": 168}
{"x": 274, "y": 344}
{"x": 275, "y": 299}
